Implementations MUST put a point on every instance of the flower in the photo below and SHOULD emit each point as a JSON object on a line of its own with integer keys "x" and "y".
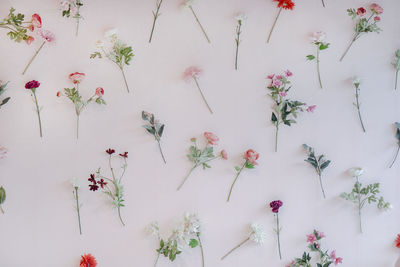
{"x": 398, "y": 241}
{"x": 76, "y": 77}
{"x": 277, "y": 82}
{"x": 37, "y": 20}
{"x": 257, "y": 233}
{"x": 191, "y": 72}
{"x": 241, "y": 18}
{"x": 251, "y": 156}
{"x": 283, "y": 93}
{"x": 29, "y": 40}
{"x": 376, "y": 9}
{"x": 356, "y": 172}
{"x": 110, "y": 151}
{"x": 361, "y": 11}
{"x": 88, "y": 260}
{"x": 275, "y": 205}
{"x": 92, "y": 179}
{"x": 377, "y": 19}
{"x": 191, "y": 224}
{"x": 338, "y": 260}
{"x": 211, "y": 138}
{"x": 47, "y": 35}
{"x": 311, "y": 108}
{"x": 59, "y": 93}
{"x": 124, "y": 155}
{"x": 65, "y": 5}
{"x": 93, "y": 187}
{"x": 285, "y": 4}
{"x": 102, "y": 183}
{"x": 76, "y": 183}
{"x": 318, "y": 37}
{"x": 224, "y": 154}
{"x": 3, "y": 152}
{"x": 99, "y": 91}
{"x": 112, "y": 33}
{"x": 333, "y": 255}
{"x": 311, "y": 238}
{"x": 288, "y": 73}
{"x": 32, "y": 85}
{"x": 271, "y": 76}
{"x": 356, "y": 80}
{"x": 153, "y": 229}
{"x": 319, "y": 234}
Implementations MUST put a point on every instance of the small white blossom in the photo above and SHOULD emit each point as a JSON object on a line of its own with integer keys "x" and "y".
{"x": 187, "y": 3}
{"x": 356, "y": 80}
{"x": 318, "y": 37}
{"x": 75, "y": 182}
{"x": 112, "y": 33}
{"x": 241, "y": 17}
{"x": 356, "y": 172}
{"x": 257, "y": 233}
{"x": 191, "y": 224}
{"x": 153, "y": 229}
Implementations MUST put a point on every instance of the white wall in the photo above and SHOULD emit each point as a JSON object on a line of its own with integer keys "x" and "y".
{"x": 39, "y": 228}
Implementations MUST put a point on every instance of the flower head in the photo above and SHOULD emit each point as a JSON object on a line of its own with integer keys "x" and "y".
{"x": 338, "y": 260}
{"x": 47, "y": 35}
{"x": 37, "y": 21}
{"x": 224, "y": 154}
{"x": 275, "y": 205}
{"x": 93, "y": 187}
{"x": 356, "y": 172}
{"x": 377, "y": 19}
{"x": 288, "y": 73}
{"x": 356, "y": 80}
{"x": 211, "y": 138}
{"x": 311, "y": 108}
{"x": 29, "y": 40}
{"x": 76, "y": 183}
{"x": 251, "y": 156}
{"x": 191, "y": 224}
{"x": 318, "y": 37}
{"x": 311, "y": 238}
{"x": 102, "y": 183}
{"x": 187, "y": 3}
{"x": 32, "y": 85}
{"x": 257, "y": 233}
{"x": 3, "y": 152}
{"x": 59, "y": 94}
{"x": 398, "y": 241}
{"x": 99, "y": 91}
{"x": 110, "y": 151}
{"x": 124, "y": 155}
{"x": 87, "y": 260}
{"x": 376, "y": 9}
{"x": 282, "y": 93}
{"x": 361, "y": 11}
{"x": 191, "y": 72}
{"x": 76, "y": 77}
{"x": 153, "y": 229}
{"x": 241, "y": 18}
{"x": 285, "y": 4}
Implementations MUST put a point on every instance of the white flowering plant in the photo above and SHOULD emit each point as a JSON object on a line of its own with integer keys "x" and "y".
{"x": 189, "y": 4}
{"x": 156, "y": 14}
{"x": 318, "y": 39}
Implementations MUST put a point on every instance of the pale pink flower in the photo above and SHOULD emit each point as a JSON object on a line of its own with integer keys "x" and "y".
{"x": 271, "y": 76}
{"x": 318, "y": 37}
{"x": 251, "y": 156}
{"x": 377, "y": 9}
{"x": 288, "y": 73}
{"x": 191, "y": 72}
{"x": 320, "y": 234}
{"x": 333, "y": 255}
{"x": 338, "y": 260}
{"x": 99, "y": 91}
{"x": 276, "y": 83}
{"x": 311, "y": 108}
{"x": 47, "y": 35}
{"x": 280, "y": 77}
{"x": 224, "y": 154}
{"x": 211, "y": 138}
{"x": 29, "y": 40}
{"x": 311, "y": 238}
{"x": 73, "y": 11}
{"x": 377, "y": 19}
{"x": 65, "y": 5}
{"x": 76, "y": 77}
{"x": 283, "y": 93}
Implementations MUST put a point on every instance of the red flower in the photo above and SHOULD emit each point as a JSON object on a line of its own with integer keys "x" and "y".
{"x": 398, "y": 241}
{"x": 361, "y": 11}
{"x": 124, "y": 155}
{"x": 58, "y": 94}
{"x": 92, "y": 179}
{"x": 37, "y": 20}
{"x": 76, "y": 77}
{"x": 102, "y": 183}
{"x": 110, "y": 151}
{"x": 32, "y": 84}
{"x": 93, "y": 187}
{"x": 88, "y": 260}
{"x": 285, "y": 4}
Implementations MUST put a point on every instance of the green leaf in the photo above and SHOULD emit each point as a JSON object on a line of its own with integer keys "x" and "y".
{"x": 96, "y": 54}
{"x": 2, "y": 195}
{"x": 310, "y": 57}
{"x": 273, "y": 117}
{"x": 5, "y": 100}
{"x": 248, "y": 165}
{"x": 161, "y": 130}
{"x": 325, "y": 164}
{"x": 193, "y": 243}
{"x": 237, "y": 168}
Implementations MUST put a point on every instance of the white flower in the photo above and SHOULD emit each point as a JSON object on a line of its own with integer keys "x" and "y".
{"x": 356, "y": 172}
{"x": 318, "y": 37}
{"x": 257, "y": 233}
{"x": 178, "y": 233}
{"x": 112, "y": 33}
{"x": 191, "y": 224}
{"x": 187, "y": 3}
{"x": 389, "y": 207}
{"x": 153, "y": 229}
{"x": 241, "y": 17}
{"x": 356, "y": 80}
{"x": 76, "y": 183}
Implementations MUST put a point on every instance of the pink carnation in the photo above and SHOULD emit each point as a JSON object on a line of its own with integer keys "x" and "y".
{"x": 99, "y": 91}
{"x": 211, "y": 138}
{"x": 76, "y": 77}
{"x": 288, "y": 73}
{"x": 191, "y": 72}
{"x": 311, "y": 108}
{"x": 377, "y": 9}
{"x": 224, "y": 154}
{"x": 271, "y": 76}
{"x": 276, "y": 82}
{"x": 251, "y": 156}
{"x": 47, "y": 35}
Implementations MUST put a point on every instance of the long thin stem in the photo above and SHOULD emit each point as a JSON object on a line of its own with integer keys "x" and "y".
{"x": 323, "y": 3}
{"x": 1, "y": 209}
{"x": 276, "y": 137}
{"x": 156, "y": 261}
{"x": 395, "y": 157}
{"x": 273, "y": 25}
{"x": 187, "y": 176}
{"x": 322, "y": 187}
{"x": 77, "y": 26}
{"x": 348, "y": 48}
{"x": 201, "y": 249}
{"x": 119, "y": 215}
{"x": 319, "y": 74}
{"x": 38, "y": 112}
{"x": 78, "y": 209}
{"x": 397, "y": 76}
{"x": 234, "y": 181}
{"x": 278, "y": 235}
{"x": 358, "y": 109}
{"x": 238, "y": 246}
{"x": 123, "y": 74}
{"x": 202, "y": 95}
{"x": 77, "y": 127}
{"x": 155, "y": 18}
{"x": 237, "y": 44}
{"x": 34, "y": 56}
{"x": 162, "y": 154}
{"x": 201, "y": 26}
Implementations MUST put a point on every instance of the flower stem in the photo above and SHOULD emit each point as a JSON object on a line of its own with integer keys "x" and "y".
{"x": 201, "y": 26}
{"x": 156, "y": 261}
{"x": 155, "y": 18}
{"x": 358, "y": 108}
{"x": 38, "y": 112}
{"x": 322, "y": 187}
{"x": 237, "y": 44}
{"x": 273, "y": 25}
{"x": 202, "y": 95}
{"x": 319, "y": 74}
{"x": 395, "y": 157}
{"x": 187, "y": 176}
{"x": 77, "y": 27}
{"x": 126, "y": 83}
{"x": 276, "y": 137}
{"x": 348, "y": 48}
{"x": 77, "y": 127}
{"x": 201, "y": 249}
{"x": 278, "y": 235}
{"x": 238, "y": 246}
{"x": 1, "y": 209}
{"x": 234, "y": 181}
{"x": 359, "y": 212}
{"x": 77, "y": 208}
{"x": 323, "y": 3}
{"x": 34, "y": 56}
{"x": 119, "y": 215}
{"x": 162, "y": 154}
{"x": 397, "y": 76}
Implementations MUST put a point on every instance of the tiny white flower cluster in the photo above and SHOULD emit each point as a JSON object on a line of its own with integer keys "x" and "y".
{"x": 76, "y": 183}
{"x": 241, "y": 17}
{"x": 257, "y": 233}
{"x": 356, "y": 172}
{"x": 153, "y": 229}
{"x": 318, "y": 37}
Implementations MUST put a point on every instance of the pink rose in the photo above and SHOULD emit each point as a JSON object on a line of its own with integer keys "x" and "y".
{"x": 29, "y": 40}
{"x": 191, "y": 72}
{"x": 361, "y": 11}
{"x": 377, "y": 9}
{"x": 76, "y": 77}
{"x": 211, "y": 138}
{"x": 288, "y": 73}
{"x": 283, "y": 93}
{"x": 311, "y": 108}
{"x": 37, "y": 20}
{"x": 377, "y": 19}
{"x": 251, "y": 156}
{"x": 224, "y": 154}
{"x": 311, "y": 238}
{"x": 99, "y": 91}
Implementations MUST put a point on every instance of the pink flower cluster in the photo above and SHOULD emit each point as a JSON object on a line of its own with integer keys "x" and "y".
{"x": 251, "y": 156}
{"x": 191, "y": 72}
{"x": 212, "y": 139}
{"x": 35, "y": 22}
{"x": 336, "y": 260}
{"x": 279, "y": 80}
{"x": 375, "y": 8}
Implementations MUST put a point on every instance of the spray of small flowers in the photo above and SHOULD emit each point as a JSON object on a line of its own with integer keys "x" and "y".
{"x": 3, "y": 86}
{"x": 76, "y": 98}
{"x": 201, "y": 157}
{"x": 71, "y": 9}
{"x": 119, "y": 53}
{"x": 396, "y": 65}
{"x": 275, "y": 206}
{"x": 318, "y": 39}
{"x": 193, "y": 73}
{"x": 285, "y": 110}
{"x": 241, "y": 19}
{"x": 32, "y": 86}
{"x": 364, "y": 25}
{"x": 189, "y": 4}
{"x": 397, "y": 124}
{"x": 282, "y": 4}
{"x": 155, "y": 128}
{"x": 112, "y": 187}
{"x": 156, "y": 14}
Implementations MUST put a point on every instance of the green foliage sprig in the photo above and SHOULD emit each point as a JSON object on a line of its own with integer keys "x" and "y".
{"x": 318, "y": 162}
{"x": 396, "y": 65}
{"x": 397, "y": 124}
{"x": 2, "y": 90}
{"x": 2, "y": 198}
{"x": 14, "y": 22}
{"x": 155, "y": 128}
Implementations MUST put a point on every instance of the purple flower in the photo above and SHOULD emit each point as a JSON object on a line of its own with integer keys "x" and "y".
{"x": 275, "y": 205}
{"x": 32, "y": 84}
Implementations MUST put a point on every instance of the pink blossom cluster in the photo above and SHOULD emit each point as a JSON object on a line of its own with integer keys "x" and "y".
{"x": 375, "y": 8}
{"x": 212, "y": 139}
{"x": 192, "y": 72}
{"x": 280, "y": 80}
{"x": 251, "y": 156}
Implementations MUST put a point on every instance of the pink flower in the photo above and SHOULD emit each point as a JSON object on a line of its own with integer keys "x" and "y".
{"x": 29, "y": 40}
{"x": 251, "y": 156}
{"x": 76, "y": 77}
{"x": 47, "y": 35}
{"x": 333, "y": 255}
{"x": 288, "y": 73}
{"x": 320, "y": 234}
{"x": 283, "y": 93}
{"x": 65, "y": 5}
{"x": 31, "y": 27}
{"x": 58, "y": 93}
{"x": 191, "y": 72}
{"x": 99, "y": 91}
{"x": 271, "y": 76}
{"x": 211, "y": 138}
{"x": 3, "y": 152}
{"x": 311, "y": 238}
{"x": 37, "y": 20}
{"x": 280, "y": 77}
{"x": 277, "y": 82}
{"x": 311, "y": 108}
{"x": 377, "y": 9}
{"x": 73, "y": 11}
{"x": 377, "y": 19}
{"x": 338, "y": 260}
{"x": 318, "y": 37}
{"x": 224, "y": 155}
{"x": 361, "y": 11}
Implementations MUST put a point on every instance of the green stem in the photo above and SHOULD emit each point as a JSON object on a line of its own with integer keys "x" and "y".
{"x": 1, "y": 209}
{"x": 322, "y": 187}
{"x": 202, "y": 95}
{"x": 276, "y": 137}
{"x": 201, "y": 26}
{"x": 37, "y": 111}
{"x": 187, "y": 176}
{"x": 237, "y": 45}
{"x": 238, "y": 246}
{"x": 278, "y": 235}
{"x": 119, "y": 215}
{"x": 348, "y": 48}
{"x": 358, "y": 108}
{"x": 359, "y": 212}
{"x": 77, "y": 26}
{"x": 77, "y": 127}
{"x": 319, "y": 74}
{"x": 34, "y": 56}
{"x": 397, "y": 76}
{"x": 162, "y": 154}
{"x": 395, "y": 157}
{"x": 155, "y": 18}
{"x": 78, "y": 210}
{"x": 201, "y": 249}
{"x": 158, "y": 257}
{"x": 323, "y": 3}
{"x": 123, "y": 74}
{"x": 234, "y": 181}
{"x": 273, "y": 25}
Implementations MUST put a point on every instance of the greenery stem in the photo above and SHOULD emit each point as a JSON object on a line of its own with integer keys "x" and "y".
{"x": 234, "y": 181}
{"x": 276, "y": 137}
{"x": 273, "y": 25}
{"x": 201, "y": 26}
{"x": 358, "y": 108}
{"x": 238, "y": 246}
{"x": 123, "y": 74}
{"x": 397, "y": 76}
{"x": 119, "y": 215}
{"x": 187, "y": 176}
{"x": 162, "y": 154}
{"x": 319, "y": 74}
{"x": 322, "y": 187}
{"x": 278, "y": 235}
{"x": 77, "y": 26}
{"x": 156, "y": 261}
{"x": 237, "y": 44}
{"x": 77, "y": 127}
{"x": 201, "y": 249}
{"x": 155, "y": 18}
{"x": 395, "y": 157}
{"x": 78, "y": 210}
{"x": 34, "y": 56}
{"x": 348, "y": 48}
{"x": 202, "y": 95}
{"x": 38, "y": 112}
{"x": 323, "y": 3}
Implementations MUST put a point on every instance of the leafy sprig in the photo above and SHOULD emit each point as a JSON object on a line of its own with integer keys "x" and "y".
{"x": 67, "y": 11}
{"x": 155, "y": 128}
{"x": 2, "y": 90}
{"x": 396, "y": 65}
{"x": 14, "y": 23}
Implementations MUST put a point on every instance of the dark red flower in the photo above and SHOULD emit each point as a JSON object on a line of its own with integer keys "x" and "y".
{"x": 92, "y": 179}
{"x": 361, "y": 11}
{"x": 102, "y": 183}
{"x": 88, "y": 260}
{"x": 110, "y": 151}
{"x": 398, "y": 241}
{"x": 275, "y": 205}
{"x": 93, "y": 187}
{"x": 285, "y": 4}
{"x": 124, "y": 155}
{"x": 32, "y": 84}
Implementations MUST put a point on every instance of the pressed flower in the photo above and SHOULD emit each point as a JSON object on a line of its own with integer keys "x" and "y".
{"x": 275, "y": 206}
{"x": 32, "y": 86}
{"x": 155, "y": 128}
{"x": 282, "y": 4}
{"x": 88, "y": 260}
{"x": 194, "y": 73}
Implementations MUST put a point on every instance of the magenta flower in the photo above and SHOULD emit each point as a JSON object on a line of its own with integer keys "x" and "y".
{"x": 377, "y": 19}
{"x": 194, "y": 73}
{"x": 288, "y": 73}
{"x": 275, "y": 205}
{"x": 311, "y": 238}
{"x": 283, "y": 94}
{"x": 311, "y": 108}
{"x": 99, "y": 91}
{"x": 270, "y": 77}
{"x": 32, "y": 86}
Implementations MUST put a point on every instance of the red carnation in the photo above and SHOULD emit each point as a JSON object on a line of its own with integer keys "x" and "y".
{"x": 124, "y": 155}
{"x": 32, "y": 84}
{"x": 285, "y": 4}
{"x": 88, "y": 260}
{"x": 398, "y": 241}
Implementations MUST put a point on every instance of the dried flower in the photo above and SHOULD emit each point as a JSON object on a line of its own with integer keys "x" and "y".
{"x": 356, "y": 83}
{"x": 275, "y": 205}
